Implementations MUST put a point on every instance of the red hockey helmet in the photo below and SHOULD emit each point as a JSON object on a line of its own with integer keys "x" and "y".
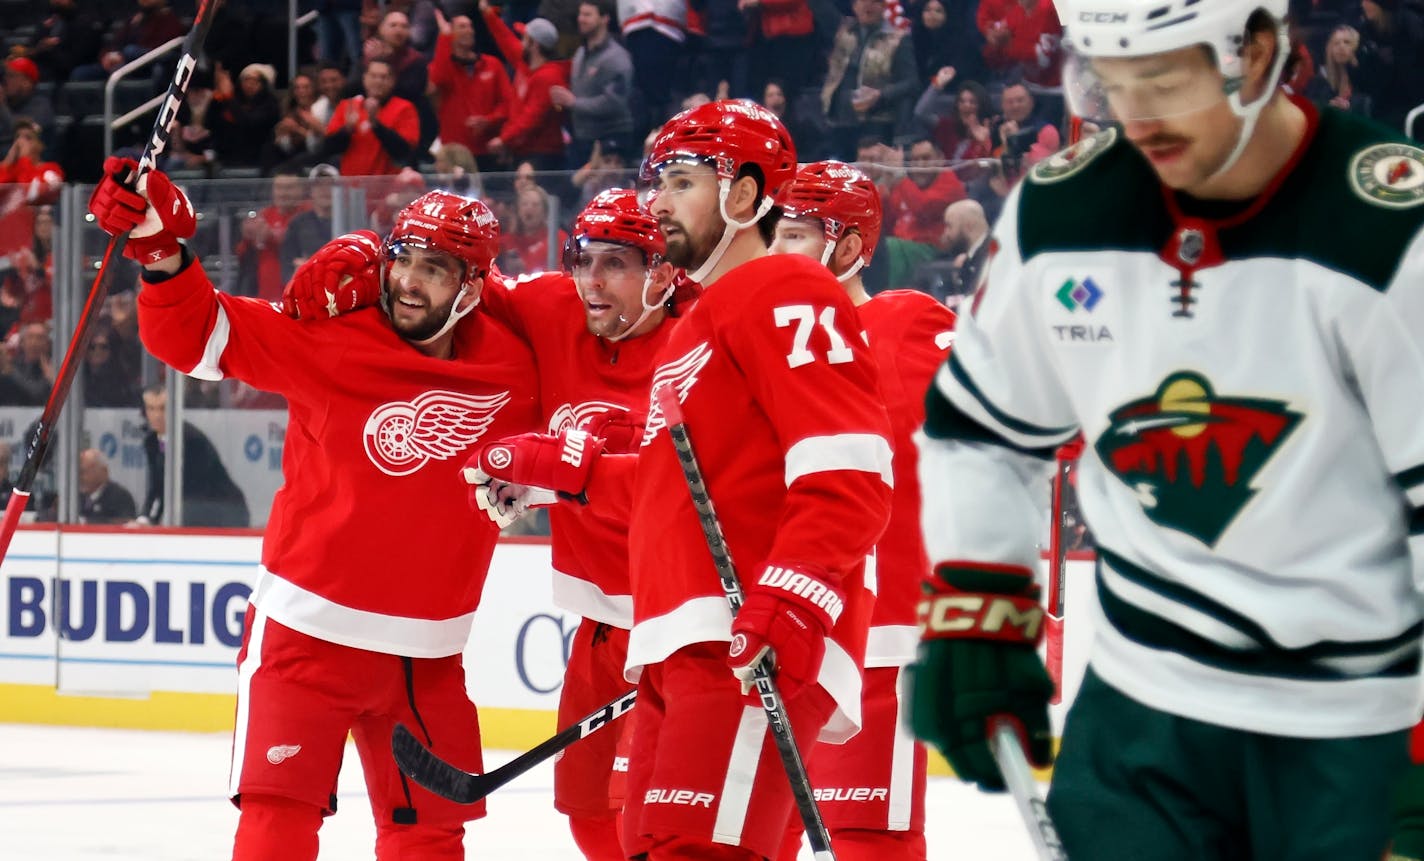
{"x": 459, "y": 226}
{"x": 727, "y": 134}
{"x": 616, "y": 216}
{"x": 839, "y": 194}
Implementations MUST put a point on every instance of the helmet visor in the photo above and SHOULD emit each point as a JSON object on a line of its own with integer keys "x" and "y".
{"x": 1150, "y": 87}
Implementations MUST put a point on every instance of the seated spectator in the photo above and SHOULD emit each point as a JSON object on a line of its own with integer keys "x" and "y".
{"x": 22, "y": 99}
{"x": 259, "y": 252}
{"x": 25, "y": 289}
{"x": 1021, "y": 40}
{"x": 529, "y": 238}
{"x": 374, "y": 133}
{"x": 189, "y": 146}
{"x": 33, "y": 369}
{"x": 67, "y": 37}
{"x": 940, "y": 42}
{"x": 606, "y": 168}
{"x": 297, "y": 137}
{"x": 40, "y": 181}
{"x": 534, "y": 130}
{"x": 472, "y": 93}
{"x": 918, "y": 202}
{"x": 101, "y": 501}
{"x": 1023, "y": 138}
{"x": 963, "y": 242}
{"x": 957, "y": 121}
{"x": 1331, "y": 83}
{"x": 457, "y": 171}
{"x": 153, "y": 24}
{"x": 1390, "y": 53}
{"x": 108, "y": 380}
{"x": 870, "y": 77}
{"x": 241, "y": 119}
{"x": 409, "y": 68}
{"x": 310, "y": 229}
{"x": 210, "y": 497}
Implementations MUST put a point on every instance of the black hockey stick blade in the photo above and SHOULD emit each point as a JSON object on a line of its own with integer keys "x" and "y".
{"x": 421, "y": 764}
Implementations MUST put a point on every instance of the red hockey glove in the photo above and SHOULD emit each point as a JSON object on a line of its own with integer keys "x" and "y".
{"x": 157, "y": 214}
{"x": 788, "y": 612}
{"x": 621, "y": 432}
{"x": 503, "y": 502}
{"x": 561, "y": 463}
{"x": 977, "y": 663}
{"x": 343, "y": 275}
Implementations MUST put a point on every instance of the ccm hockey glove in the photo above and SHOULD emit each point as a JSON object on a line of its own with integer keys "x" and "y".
{"x": 788, "y": 611}
{"x": 979, "y": 627}
{"x": 154, "y": 230}
{"x": 343, "y": 275}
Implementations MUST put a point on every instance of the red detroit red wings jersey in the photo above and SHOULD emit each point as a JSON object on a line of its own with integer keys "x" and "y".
{"x": 909, "y": 335}
{"x": 580, "y": 376}
{"x": 371, "y": 542}
{"x": 782, "y": 407}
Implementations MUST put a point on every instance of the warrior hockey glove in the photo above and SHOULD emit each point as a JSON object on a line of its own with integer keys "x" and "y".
{"x": 156, "y": 215}
{"x": 343, "y": 275}
{"x": 560, "y": 463}
{"x": 977, "y": 662}
{"x": 787, "y": 614}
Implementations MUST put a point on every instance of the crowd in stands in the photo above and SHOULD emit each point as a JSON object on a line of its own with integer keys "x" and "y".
{"x": 537, "y": 105}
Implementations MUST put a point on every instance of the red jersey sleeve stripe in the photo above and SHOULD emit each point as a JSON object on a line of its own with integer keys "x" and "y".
{"x": 861, "y": 452}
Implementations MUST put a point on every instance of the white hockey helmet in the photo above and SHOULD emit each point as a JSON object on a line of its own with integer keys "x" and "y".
{"x": 1139, "y": 28}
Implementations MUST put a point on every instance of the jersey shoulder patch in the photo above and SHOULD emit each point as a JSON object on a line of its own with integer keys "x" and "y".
{"x": 1389, "y": 175}
{"x": 1067, "y": 162}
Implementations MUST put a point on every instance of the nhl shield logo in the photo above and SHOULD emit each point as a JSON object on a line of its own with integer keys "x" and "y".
{"x": 1389, "y": 174}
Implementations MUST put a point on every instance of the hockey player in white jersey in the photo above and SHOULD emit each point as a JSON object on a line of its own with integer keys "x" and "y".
{"x": 1224, "y": 292}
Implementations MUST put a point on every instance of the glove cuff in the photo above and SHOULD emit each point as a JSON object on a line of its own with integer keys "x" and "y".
{"x": 148, "y": 250}
{"x": 804, "y": 587}
{"x": 962, "y": 602}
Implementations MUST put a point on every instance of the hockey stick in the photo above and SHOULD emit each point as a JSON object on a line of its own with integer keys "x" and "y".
{"x": 39, "y": 441}
{"x": 420, "y": 764}
{"x": 776, "y": 716}
{"x": 1008, "y": 753}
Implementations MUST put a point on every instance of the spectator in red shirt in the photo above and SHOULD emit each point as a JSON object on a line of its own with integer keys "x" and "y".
{"x": 375, "y": 133}
{"x": 918, "y": 201}
{"x": 534, "y": 131}
{"x": 24, "y": 165}
{"x": 259, "y": 257}
{"x": 471, "y": 91}
{"x": 530, "y": 237}
{"x": 1021, "y": 40}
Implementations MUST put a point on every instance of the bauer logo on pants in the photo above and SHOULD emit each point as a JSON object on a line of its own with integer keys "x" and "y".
{"x": 401, "y": 437}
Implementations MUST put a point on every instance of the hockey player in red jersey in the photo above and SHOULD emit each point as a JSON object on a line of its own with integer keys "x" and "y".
{"x": 872, "y": 790}
{"x": 372, "y": 566}
{"x": 780, "y": 398}
{"x": 595, "y": 332}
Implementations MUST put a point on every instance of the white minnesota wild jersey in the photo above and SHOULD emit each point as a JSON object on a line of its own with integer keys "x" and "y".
{"x": 1250, "y": 384}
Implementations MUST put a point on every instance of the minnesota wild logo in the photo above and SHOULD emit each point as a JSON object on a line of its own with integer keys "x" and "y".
{"x": 1190, "y": 455}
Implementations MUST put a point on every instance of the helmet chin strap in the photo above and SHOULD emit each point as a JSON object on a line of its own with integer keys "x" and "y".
{"x": 845, "y": 276}
{"x": 1249, "y": 114}
{"x": 724, "y": 187}
{"x": 450, "y": 321}
{"x": 647, "y": 308}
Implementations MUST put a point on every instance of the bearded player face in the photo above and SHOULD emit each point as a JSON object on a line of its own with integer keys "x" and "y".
{"x": 423, "y": 287}
{"x": 684, "y": 201}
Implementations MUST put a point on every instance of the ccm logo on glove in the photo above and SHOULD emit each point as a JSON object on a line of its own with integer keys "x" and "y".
{"x": 810, "y": 589}
{"x": 990, "y": 616}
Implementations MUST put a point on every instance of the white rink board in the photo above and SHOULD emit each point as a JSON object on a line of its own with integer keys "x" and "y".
{"x": 163, "y": 612}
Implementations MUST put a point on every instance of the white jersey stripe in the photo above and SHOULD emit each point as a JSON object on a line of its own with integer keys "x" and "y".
{"x": 862, "y": 452}
{"x": 585, "y": 598}
{"x": 902, "y": 765}
{"x": 207, "y": 367}
{"x": 315, "y": 616}
{"x": 245, "y": 671}
{"x": 736, "y": 796}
